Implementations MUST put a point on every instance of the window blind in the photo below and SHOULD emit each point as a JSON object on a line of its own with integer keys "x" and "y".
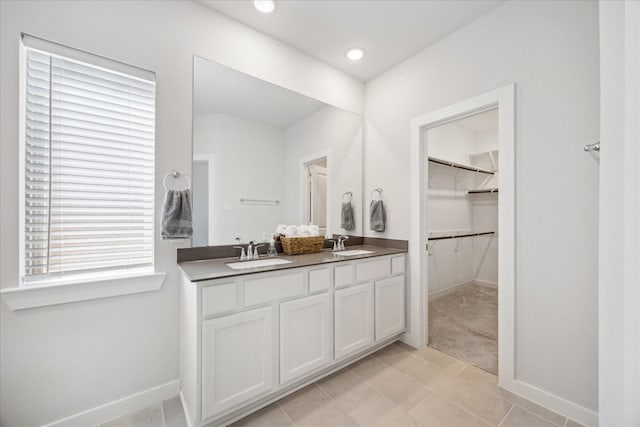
{"x": 89, "y": 167}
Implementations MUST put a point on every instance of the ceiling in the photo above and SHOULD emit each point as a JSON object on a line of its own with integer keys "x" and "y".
{"x": 388, "y": 30}
{"x": 482, "y": 122}
{"x": 219, "y": 89}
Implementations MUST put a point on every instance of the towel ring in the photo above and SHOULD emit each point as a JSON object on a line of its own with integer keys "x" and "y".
{"x": 347, "y": 193}
{"x": 376, "y": 190}
{"x": 176, "y": 174}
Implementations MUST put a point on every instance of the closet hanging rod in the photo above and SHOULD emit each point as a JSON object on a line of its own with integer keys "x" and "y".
{"x": 457, "y": 236}
{"x": 460, "y": 166}
{"x": 483, "y": 190}
{"x": 261, "y": 201}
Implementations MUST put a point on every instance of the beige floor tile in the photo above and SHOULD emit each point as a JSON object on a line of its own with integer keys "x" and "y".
{"x": 518, "y": 417}
{"x": 173, "y": 413}
{"x": 372, "y": 410}
{"x": 397, "y": 417}
{"x": 426, "y": 373}
{"x": 270, "y": 416}
{"x": 571, "y": 423}
{"x": 329, "y": 415}
{"x": 401, "y": 390}
{"x": 440, "y": 359}
{"x": 304, "y": 403}
{"x": 489, "y": 382}
{"x": 393, "y": 354}
{"x": 148, "y": 417}
{"x": 434, "y": 411}
{"x": 372, "y": 367}
{"x": 479, "y": 402}
{"x": 346, "y": 389}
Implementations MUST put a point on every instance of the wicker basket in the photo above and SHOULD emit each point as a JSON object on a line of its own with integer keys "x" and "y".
{"x": 301, "y": 245}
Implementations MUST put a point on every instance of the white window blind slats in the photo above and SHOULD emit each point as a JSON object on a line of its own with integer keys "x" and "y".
{"x": 89, "y": 173}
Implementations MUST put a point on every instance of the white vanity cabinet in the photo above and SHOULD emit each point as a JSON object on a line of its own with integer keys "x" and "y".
{"x": 237, "y": 359}
{"x": 354, "y": 319}
{"x": 250, "y": 339}
{"x": 306, "y": 336}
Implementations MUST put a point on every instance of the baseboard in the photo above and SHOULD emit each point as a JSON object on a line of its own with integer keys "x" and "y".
{"x": 116, "y": 408}
{"x": 446, "y": 291}
{"x": 486, "y": 284}
{"x": 550, "y": 401}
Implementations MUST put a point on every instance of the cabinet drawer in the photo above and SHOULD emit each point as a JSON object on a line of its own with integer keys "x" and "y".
{"x": 319, "y": 280}
{"x": 372, "y": 269}
{"x": 343, "y": 275}
{"x": 273, "y": 288}
{"x": 397, "y": 265}
{"x": 219, "y": 299}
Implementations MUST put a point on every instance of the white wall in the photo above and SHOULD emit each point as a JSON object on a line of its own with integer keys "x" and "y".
{"x": 619, "y": 275}
{"x": 550, "y": 50}
{"x": 338, "y": 134}
{"x": 57, "y": 361}
{"x": 247, "y": 156}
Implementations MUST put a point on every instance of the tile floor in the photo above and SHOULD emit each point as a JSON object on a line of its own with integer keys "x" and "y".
{"x": 396, "y": 387}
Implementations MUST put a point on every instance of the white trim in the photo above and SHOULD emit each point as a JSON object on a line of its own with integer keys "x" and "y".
{"x": 553, "y": 402}
{"x": 449, "y": 289}
{"x": 119, "y": 407}
{"x": 209, "y": 159}
{"x": 504, "y": 99}
{"x": 486, "y": 283}
{"x": 41, "y": 44}
{"x": 39, "y": 296}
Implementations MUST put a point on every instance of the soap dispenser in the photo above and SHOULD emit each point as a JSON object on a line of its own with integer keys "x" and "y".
{"x": 272, "y": 247}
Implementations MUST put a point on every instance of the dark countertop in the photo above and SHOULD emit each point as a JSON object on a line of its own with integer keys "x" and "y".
{"x": 209, "y": 269}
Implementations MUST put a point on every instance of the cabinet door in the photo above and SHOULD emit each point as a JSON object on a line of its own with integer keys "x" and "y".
{"x": 305, "y": 336}
{"x": 237, "y": 359}
{"x": 390, "y": 305}
{"x": 353, "y": 319}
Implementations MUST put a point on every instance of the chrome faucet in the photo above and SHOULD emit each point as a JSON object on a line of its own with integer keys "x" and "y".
{"x": 243, "y": 254}
{"x": 341, "y": 240}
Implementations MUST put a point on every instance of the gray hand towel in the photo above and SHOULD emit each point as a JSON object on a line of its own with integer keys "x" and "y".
{"x": 347, "y": 219}
{"x": 377, "y": 216}
{"x": 177, "y": 215}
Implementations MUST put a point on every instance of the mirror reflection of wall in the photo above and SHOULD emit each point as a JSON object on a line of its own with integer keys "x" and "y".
{"x": 255, "y": 145}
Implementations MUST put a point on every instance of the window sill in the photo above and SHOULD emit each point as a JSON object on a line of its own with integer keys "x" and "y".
{"x": 44, "y": 295}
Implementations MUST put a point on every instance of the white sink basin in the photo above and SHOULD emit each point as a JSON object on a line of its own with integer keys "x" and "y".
{"x": 257, "y": 263}
{"x": 353, "y": 252}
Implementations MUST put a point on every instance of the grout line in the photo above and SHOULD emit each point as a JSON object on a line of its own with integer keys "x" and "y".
{"x": 564, "y": 423}
{"x": 506, "y": 415}
{"x": 164, "y": 421}
{"x": 466, "y": 410}
{"x": 284, "y": 412}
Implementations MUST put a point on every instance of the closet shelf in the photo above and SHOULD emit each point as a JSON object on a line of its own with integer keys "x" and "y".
{"x": 483, "y": 190}
{"x": 461, "y": 234}
{"x": 460, "y": 166}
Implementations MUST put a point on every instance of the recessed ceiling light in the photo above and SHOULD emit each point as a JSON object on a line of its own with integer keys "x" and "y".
{"x": 355, "y": 54}
{"x": 265, "y": 6}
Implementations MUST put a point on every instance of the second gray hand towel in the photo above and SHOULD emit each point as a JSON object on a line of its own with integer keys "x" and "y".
{"x": 348, "y": 222}
{"x": 377, "y": 216}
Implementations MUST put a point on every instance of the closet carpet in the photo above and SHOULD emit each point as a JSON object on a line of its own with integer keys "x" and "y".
{"x": 464, "y": 324}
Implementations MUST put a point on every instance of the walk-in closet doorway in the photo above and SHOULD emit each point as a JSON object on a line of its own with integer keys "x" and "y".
{"x": 462, "y": 245}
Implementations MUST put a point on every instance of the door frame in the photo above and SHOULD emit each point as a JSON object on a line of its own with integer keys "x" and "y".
{"x": 208, "y": 159}
{"x": 302, "y": 191}
{"x": 504, "y": 99}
